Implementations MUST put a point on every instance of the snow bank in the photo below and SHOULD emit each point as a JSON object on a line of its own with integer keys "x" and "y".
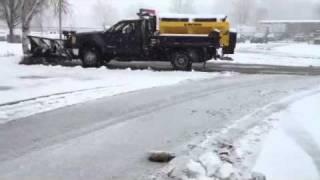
{"x": 292, "y": 150}
{"x": 232, "y": 152}
{"x": 300, "y": 50}
{"x": 283, "y": 54}
{"x": 271, "y": 59}
{"x": 294, "y": 50}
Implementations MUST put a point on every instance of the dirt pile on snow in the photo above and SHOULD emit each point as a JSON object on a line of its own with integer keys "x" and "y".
{"x": 160, "y": 156}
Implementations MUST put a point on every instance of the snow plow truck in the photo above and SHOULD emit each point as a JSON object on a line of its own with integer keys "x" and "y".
{"x": 180, "y": 40}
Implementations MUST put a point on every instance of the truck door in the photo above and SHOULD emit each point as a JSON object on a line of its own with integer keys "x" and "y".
{"x": 113, "y": 37}
{"x": 130, "y": 40}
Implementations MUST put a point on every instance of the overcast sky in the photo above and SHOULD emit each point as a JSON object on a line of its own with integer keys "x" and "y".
{"x": 83, "y": 10}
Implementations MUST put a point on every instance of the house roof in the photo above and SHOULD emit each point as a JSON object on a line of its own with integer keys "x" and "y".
{"x": 290, "y": 22}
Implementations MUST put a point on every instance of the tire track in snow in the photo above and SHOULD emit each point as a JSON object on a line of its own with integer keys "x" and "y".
{"x": 145, "y": 109}
{"x": 50, "y": 95}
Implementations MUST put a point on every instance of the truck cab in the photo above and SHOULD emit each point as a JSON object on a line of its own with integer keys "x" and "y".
{"x": 124, "y": 38}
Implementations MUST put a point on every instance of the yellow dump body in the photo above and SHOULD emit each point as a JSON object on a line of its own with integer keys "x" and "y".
{"x": 196, "y": 26}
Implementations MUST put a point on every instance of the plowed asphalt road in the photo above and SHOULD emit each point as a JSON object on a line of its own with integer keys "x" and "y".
{"x": 221, "y": 67}
{"x": 109, "y": 138}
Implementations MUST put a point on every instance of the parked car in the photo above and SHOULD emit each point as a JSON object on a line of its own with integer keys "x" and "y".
{"x": 258, "y": 38}
{"x": 272, "y": 37}
{"x": 316, "y": 37}
{"x": 316, "y": 40}
{"x": 242, "y": 38}
{"x": 300, "y": 38}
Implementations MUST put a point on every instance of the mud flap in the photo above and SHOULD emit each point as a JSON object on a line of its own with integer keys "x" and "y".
{"x": 232, "y": 44}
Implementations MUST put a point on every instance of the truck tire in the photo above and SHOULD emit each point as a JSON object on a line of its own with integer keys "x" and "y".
{"x": 91, "y": 58}
{"x": 181, "y": 61}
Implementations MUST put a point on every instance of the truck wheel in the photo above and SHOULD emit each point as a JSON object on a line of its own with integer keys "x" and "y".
{"x": 91, "y": 58}
{"x": 181, "y": 61}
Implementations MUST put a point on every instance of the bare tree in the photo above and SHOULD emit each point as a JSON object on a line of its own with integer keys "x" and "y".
{"x": 23, "y": 11}
{"x": 29, "y": 9}
{"x": 183, "y": 6}
{"x": 318, "y": 10}
{"x": 10, "y": 11}
{"x": 60, "y": 7}
{"x": 262, "y": 13}
{"x": 243, "y": 11}
{"x": 64, "y": 5}
{"x": 40, "y": 18}
{"x": 104, "y": 13}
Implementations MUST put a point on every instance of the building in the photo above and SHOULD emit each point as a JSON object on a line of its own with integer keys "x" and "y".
{"x": 292, "y": 27}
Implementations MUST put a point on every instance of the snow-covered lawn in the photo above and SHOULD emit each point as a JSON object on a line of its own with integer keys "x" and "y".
{"x": 290, "y": 49}
{"x": 300, "y": 50}
{"x": 273, "y": 59}
{"x": 283, "y": 54}
{"x": 292, "y": 150}
{"x": 8, "y": 49}
{"x": 43, "y": 88}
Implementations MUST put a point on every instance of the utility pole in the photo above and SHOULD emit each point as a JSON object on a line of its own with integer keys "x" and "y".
{"x": 60, "y": 19}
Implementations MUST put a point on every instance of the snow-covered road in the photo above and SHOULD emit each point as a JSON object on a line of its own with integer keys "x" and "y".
{"x": 109, "y": 138}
